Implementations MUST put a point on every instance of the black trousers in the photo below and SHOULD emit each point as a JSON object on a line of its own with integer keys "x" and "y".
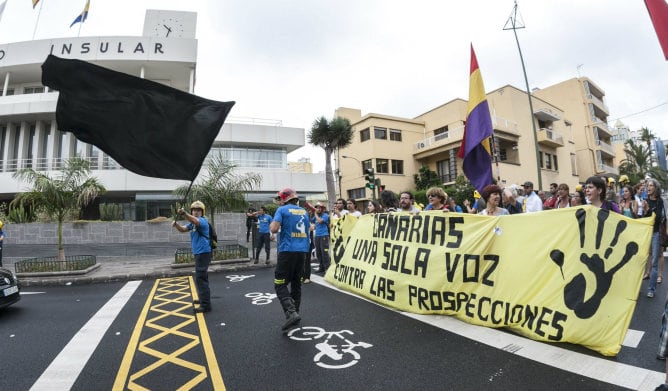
{"x": 288, "y": 273}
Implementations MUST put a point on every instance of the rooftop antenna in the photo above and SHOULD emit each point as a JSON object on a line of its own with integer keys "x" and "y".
{"x": 515, "y": 22}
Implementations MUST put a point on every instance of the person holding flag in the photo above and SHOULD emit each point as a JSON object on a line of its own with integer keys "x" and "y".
{"x": 478, "y": 131}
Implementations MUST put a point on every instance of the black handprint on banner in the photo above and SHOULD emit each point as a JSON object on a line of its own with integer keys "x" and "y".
{"x": 338, "y": 247}
{"x": 574, "y": 292}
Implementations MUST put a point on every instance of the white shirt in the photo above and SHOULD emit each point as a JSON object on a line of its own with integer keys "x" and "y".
{"x": 532, "y": 203}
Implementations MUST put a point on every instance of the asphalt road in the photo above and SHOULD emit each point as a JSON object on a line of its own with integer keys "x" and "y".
{"x": 344, "y": 343}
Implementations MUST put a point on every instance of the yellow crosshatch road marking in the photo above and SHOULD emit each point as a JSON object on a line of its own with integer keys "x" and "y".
{"x": 167, "y": 319}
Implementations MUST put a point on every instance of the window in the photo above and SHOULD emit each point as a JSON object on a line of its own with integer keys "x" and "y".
{"x": 10, "y": 91}
{"x": 364, "y": 135}
{"x": 380, "y": 133}
{"x": 33, "y": 90}
{"x": 447, "y": 169}
{"x": 395, "y": 134}
{"x": 548, "y": 161}
{"x": 366, "y": 165}
{"x": 554, "y": 162}
{"x": 503, "y": 155}
{"x": 382, "y": 166}
{"x": 397, "y": 167}
{"x": 441, "y": 133}
{"x": 540, "y": 158}
{"x": 359, "y": 193}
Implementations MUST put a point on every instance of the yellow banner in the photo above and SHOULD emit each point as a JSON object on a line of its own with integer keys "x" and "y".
{"x": 564, "y": 275}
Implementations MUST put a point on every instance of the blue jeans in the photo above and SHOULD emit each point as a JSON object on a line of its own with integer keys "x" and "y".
{"x": 202, "y": 262}
{"x": 656, "y": 253}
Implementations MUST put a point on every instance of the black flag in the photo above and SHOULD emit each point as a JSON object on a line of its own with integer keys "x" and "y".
{"x": 148, "y": 128}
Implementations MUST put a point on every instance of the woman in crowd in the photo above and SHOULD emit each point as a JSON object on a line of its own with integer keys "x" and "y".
{"x": 373, "y": 207}
{"x": 388, "y": 201}
{"x": 627, "y": 203}
{"x": 509, "y": 201}
{"x": 492, "y": 196}
{"x": 563, "y": 197}
{"x": 654, "y": 204}
{"x": 436, "y": 197}
{"x": 578, "y": 198}
{"x": 595, "y": 188}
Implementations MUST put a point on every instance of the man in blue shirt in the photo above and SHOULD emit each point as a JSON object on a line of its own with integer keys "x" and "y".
{"x": 198, "y": 226}
{"x": 264, "y": 236}
{"x": 321, "y": 222}
{"x": 293, "y": 246}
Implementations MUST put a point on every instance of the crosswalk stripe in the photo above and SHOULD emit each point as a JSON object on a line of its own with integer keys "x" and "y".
{"x": 66, "y": 367}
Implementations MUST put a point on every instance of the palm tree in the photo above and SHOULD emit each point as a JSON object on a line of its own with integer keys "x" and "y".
{"x": 638, "y": 162}
{"x": 220, "y": 188}
{"x": 330, "y": 136}
{"x": 647, "y": 136}
{"x": 68, "y": 192}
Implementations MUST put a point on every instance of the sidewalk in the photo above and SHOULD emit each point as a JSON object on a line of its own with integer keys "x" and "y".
{"x": 115, "y": 267}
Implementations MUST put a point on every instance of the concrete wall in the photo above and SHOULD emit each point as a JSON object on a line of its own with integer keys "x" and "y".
{"x": 229, "y": 226}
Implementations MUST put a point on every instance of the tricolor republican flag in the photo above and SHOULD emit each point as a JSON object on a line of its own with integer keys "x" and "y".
{"x": 475, "y": 148}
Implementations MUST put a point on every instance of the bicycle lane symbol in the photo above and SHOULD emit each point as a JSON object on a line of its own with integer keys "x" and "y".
{"x": 261, "y": 298}
{"x": 330, "y": 355}
{"x": 238, "y": 278}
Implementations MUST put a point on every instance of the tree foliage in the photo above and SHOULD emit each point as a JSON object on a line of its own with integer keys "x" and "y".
{"x": 426, "y": 178}
{"x": 639, "y": 161}
{"x": 330, "y": 136}
{"x": 220, "y": 188}
{"x": 69, "y": 191}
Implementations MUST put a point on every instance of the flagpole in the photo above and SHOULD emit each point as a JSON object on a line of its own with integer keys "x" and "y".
{"x": 37, "y": 22}
{"x": 513, "y": 19}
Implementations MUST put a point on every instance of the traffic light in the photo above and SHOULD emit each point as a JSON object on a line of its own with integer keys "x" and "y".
{"x": 370, "y": 178}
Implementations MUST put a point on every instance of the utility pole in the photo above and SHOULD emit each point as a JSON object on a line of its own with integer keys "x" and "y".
{"x": 512, "y": 21}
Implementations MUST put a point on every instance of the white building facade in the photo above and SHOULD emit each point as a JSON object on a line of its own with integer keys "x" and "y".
{"x": 165, "y": 53}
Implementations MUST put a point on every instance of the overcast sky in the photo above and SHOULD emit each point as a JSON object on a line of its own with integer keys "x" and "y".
{"x": 297, "y": 60}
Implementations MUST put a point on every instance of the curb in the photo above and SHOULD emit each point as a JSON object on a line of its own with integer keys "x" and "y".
{"x": 79, "y": 279}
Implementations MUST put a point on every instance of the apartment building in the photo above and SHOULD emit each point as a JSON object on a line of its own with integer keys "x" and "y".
{"x": 562, "y": 137}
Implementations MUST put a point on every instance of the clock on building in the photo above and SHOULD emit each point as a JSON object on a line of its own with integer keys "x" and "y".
{"x": 169, "y": 28}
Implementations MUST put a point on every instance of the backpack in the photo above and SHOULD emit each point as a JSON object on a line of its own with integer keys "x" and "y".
{"x": 214, "y": 236}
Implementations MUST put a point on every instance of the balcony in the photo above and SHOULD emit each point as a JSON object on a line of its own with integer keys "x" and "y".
{"x": 601, "y": 128}
{"x": 445, "y": 138}
{"x": 606, "y": 169}
{"x": 598, "y": 102}
{"x": 546, "y": 115}
{"x": 606, "y": 148}
{"x": 550, "y": 138}
{"x": 505, "y": 125}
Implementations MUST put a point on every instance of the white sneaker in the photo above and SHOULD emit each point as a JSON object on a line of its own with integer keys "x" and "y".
{"x": 307, "y": 281}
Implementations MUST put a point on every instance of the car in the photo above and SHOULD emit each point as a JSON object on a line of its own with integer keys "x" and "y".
{"x": 10, "y": 292}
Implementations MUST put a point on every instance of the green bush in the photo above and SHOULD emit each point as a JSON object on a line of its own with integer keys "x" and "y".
{"x": 111, "y": 212}
{"x": 20, "y": 214}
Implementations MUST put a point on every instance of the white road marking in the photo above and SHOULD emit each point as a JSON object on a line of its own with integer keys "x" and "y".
{"x": 596, "y": 368}
{"x": 632, "y": 338}
{"x": 66, "y": 367}
{"x": 31, "y": 293}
